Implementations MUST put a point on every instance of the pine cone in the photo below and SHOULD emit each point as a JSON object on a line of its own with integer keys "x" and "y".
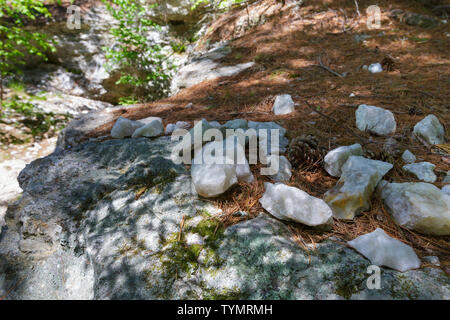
{"x": 305, "y": 150}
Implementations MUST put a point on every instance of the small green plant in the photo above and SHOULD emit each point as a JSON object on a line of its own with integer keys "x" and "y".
{"x": 141, "y": 63}
{"x": 127, "y": 101}
{"x": 15, "y": 41}
{"x": 178, "y": 47}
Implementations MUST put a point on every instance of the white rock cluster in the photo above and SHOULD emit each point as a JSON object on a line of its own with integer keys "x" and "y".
{"x": 148, "y": 127}
{"x": 283, "y": 104}
{"x": 292, "y": 204}
{"x": 422, "y": 170}
{"x": 430, "y": 129}
{"x": 335, "y": 159}
{"x": 375, "y": 120}
{"x": 418, "y": 206}
{"x": 352, "y": 192}
{"x": 382, "y": 250}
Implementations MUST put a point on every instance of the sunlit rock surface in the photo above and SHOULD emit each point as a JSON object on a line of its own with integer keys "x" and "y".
{"x": 418, "y": 206}
{"x": 375, "y": 120}
{"x": 352, "y": 192}
{"x": 336, "y": 158}
{"x": 430, "y": 129}
{"x": 293, "y": 204}
{"x": 383, "y": 250}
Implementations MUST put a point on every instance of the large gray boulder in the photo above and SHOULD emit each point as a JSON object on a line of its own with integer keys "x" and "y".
{"x": 102, "y": 221}
{"x": 375, "y": 120}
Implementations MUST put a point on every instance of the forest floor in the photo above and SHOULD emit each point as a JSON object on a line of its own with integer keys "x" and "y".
{"x": 286, "y": 49}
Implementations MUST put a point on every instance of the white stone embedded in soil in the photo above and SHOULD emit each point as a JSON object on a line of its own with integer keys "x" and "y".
{"x": 153, "y": 128}
{"x": 292, "y": 204}
{"x": 283, "y": 104}
{"x": 335, "y": 159}
{"x": 430, "y": 129}
{"x": 418, "y": 206}
{"x": 124, "y": 127}
{"x": 375, "y": 120}
{"x": 353, "y": 191}
{"x": 284, "y": 171}
{"x": 375, "y": 68}
{"x": 408, "y": 157}
{"x": 382, "y": 250}
{"x": 422, "y": 170}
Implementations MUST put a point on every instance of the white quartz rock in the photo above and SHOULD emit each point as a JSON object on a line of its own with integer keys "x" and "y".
{"x": 218, "y": 166}
{"x": 422, "y": 170}
{"x": 418, "y": 206}
{"x": 283, "y": 104}
{"x": 152, "y": 128}
{"x": 335, "y": 159}
{"x": 211, "y": 180}
{"x": 284, "y": 171}
{"x": 375, "y": 120}
{"x": 124, "y": 127}
{"x": 375, "y": 68}
{"x": 408, "y": 157}
{"x": 382, "y": 250}
{"x": 352, "y": 192}
{"x": 293, "y": 204}
{"x": 430, "y": 129}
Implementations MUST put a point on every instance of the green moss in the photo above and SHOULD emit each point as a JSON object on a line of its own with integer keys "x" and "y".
{"x": 224, "y": 294}
{"x": 404, "y": 288}
{"x": 349, "y": 280}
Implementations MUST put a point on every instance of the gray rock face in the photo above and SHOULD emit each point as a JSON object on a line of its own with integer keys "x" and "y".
{"x": 103, "y": 220}
{"x": 422, "y": 170}
{"x": 418, "y": 206}
{"x": 352, "y": 192}
{"x": 375, "y": 120}
{"x": 430, "y": 129}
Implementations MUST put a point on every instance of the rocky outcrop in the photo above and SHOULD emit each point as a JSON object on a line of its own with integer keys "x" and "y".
{"x": 102, "y": 221}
